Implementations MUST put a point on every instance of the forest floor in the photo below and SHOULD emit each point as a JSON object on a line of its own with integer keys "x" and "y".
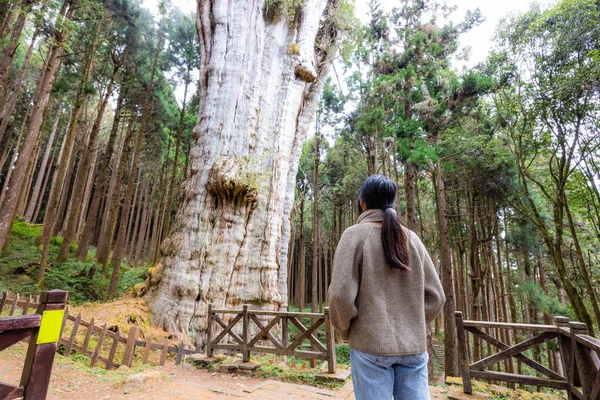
{"x": 71, "y": 380}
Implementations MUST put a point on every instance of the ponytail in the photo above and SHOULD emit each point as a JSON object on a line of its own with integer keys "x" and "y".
{"x": 394, "y": 240}
{"x": 379, "y": 192}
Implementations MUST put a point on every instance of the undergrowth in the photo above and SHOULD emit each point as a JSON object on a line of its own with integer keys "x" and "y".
{"x": 19, "y": 265}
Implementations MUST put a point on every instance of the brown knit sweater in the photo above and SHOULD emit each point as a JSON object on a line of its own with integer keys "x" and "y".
{"x": 380, "y": 309}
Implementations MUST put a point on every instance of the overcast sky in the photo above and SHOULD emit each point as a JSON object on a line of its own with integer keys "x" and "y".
{"x": 479, "y": 39}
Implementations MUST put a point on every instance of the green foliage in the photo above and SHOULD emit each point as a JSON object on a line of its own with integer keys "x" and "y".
{"x": 19, "y": 264}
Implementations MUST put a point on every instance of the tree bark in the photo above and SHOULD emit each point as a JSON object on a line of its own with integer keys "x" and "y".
{"x": 43, "y": 89}
{"x": 83, "y": 170}
{"x": 450, "y": 338}
{"x": 229, "y": 243}
{"x": 315, "y": 230}
{"x": 40, "y": 178}
{"x": 11, "y": 48}
{"x": 120, "y": 241}
{"x": 101, "y": 184}
{"x": 8, "y": 106}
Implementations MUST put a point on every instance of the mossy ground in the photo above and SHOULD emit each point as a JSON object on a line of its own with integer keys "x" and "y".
{"x": 19, "y": 265}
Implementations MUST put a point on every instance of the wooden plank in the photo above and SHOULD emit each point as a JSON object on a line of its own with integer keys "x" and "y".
{"x": 163, "y": 353}
{"x": 98, "y": 346}
{"x": 26, "y": 305}
{"x": 289, "y": 314}
{"x": 463, "y": 355}
{"x": 513, "y": 350}
{"x": 13, "y": 306}
{"x": 507, "y": 325}
{"x": 88, "y": 336}
{"x": 20, "y": 322}
{"x": 69, "y": 345}
{"x": 37, "y": 368}
{"x": 227, "y": 311}
{"x": 209, "y": 351}
{"x": 10, "y": 392}
{"x": 524, "y": 380}
{"x": 230, "y": 346}
{"x": 3, "y": 302}
{"x": 64, "y": 323}
{"x": 130, "y": 345}
{"x": 589, "y": 342}
{"x": 54, "y": 296}
{"x": 330, "y": 341}
{"x": 284, "y": 332}
{"x": 180, "y": 352}
{"x": 503, "y": 346}
{"x": 227, "y": 329}
{"x": 113, "y": 350}
{"x": 307, "y": 333}
{"x": 245, "y": 329}
{"x": 8, "y": 338}
{"x": 272, "y": 313}
{"x": 596, "y": 388}
{"x": 294, "y": 353}
{"x": 264, "y": 330}
{"x": 147, "y": 348}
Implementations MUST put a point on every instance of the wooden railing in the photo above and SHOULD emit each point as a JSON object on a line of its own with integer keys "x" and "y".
{"x": 43, "y": 331}
{"x": 112, "y": 347}
{"x": 579, "y": 355}
{"x": 268, "y": 332}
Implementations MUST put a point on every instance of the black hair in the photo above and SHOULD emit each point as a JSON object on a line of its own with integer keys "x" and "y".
{"x": 379, "y": 192}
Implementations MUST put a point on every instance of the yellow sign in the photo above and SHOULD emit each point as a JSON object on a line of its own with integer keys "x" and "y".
{"x": 50, "y": 326}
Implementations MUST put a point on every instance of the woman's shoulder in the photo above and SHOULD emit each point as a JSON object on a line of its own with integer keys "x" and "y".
{"x": 357, "y": 230}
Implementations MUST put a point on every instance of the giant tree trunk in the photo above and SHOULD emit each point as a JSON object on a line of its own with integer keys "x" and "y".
{"x": 258, "y": 94}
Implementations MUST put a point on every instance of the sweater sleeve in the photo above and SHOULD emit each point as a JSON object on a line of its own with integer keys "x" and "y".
{"x": 434, "y": 292}
{"x": 345, "y": 282}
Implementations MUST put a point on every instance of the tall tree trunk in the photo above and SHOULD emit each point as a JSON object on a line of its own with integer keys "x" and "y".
{"x": 315, "y": 230}
{"x": 410, "y": 187}
{"x": 171, "y": 192}
{"x": 582, "y": 267}
{"x": 102, "y": 182}
{"x": 14, "y": 159}
{"x": 256, "y": 103}
{"x": 450, "y": 350}
{"x": 8, "y": 103}
{"x": 302, "y": 260}
{"x": 120, "y": 241}
{"x": 43, "y": 88}
{"x": 85, "y": 164}
{"x": 11, "y": 48}
{"x": 40, "y": 178}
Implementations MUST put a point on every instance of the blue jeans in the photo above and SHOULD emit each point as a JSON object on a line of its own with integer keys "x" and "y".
{"x": 380, "y": 377}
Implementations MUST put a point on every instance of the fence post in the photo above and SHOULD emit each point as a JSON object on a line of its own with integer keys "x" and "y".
{"x": 462, "y": 353}
{"x": 564, "y": 348}
{"x": 330, "y": 342}
{"x": 130, "y": 345}
{"x": 582, "y": 361}
{"x": 209, "y": 350}
{"x": 245, "y": 328}
{"x": 40, "y": 356}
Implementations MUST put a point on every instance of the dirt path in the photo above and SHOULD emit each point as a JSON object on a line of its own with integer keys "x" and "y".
{"x": 72, "y": 380}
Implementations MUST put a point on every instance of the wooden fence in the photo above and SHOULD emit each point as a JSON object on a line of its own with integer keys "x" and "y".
{"x": 579, "y": 355}
{"x": 42, "y": 330}
{"x": 272, "y": 328}
{"x": 100, "y": 343}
